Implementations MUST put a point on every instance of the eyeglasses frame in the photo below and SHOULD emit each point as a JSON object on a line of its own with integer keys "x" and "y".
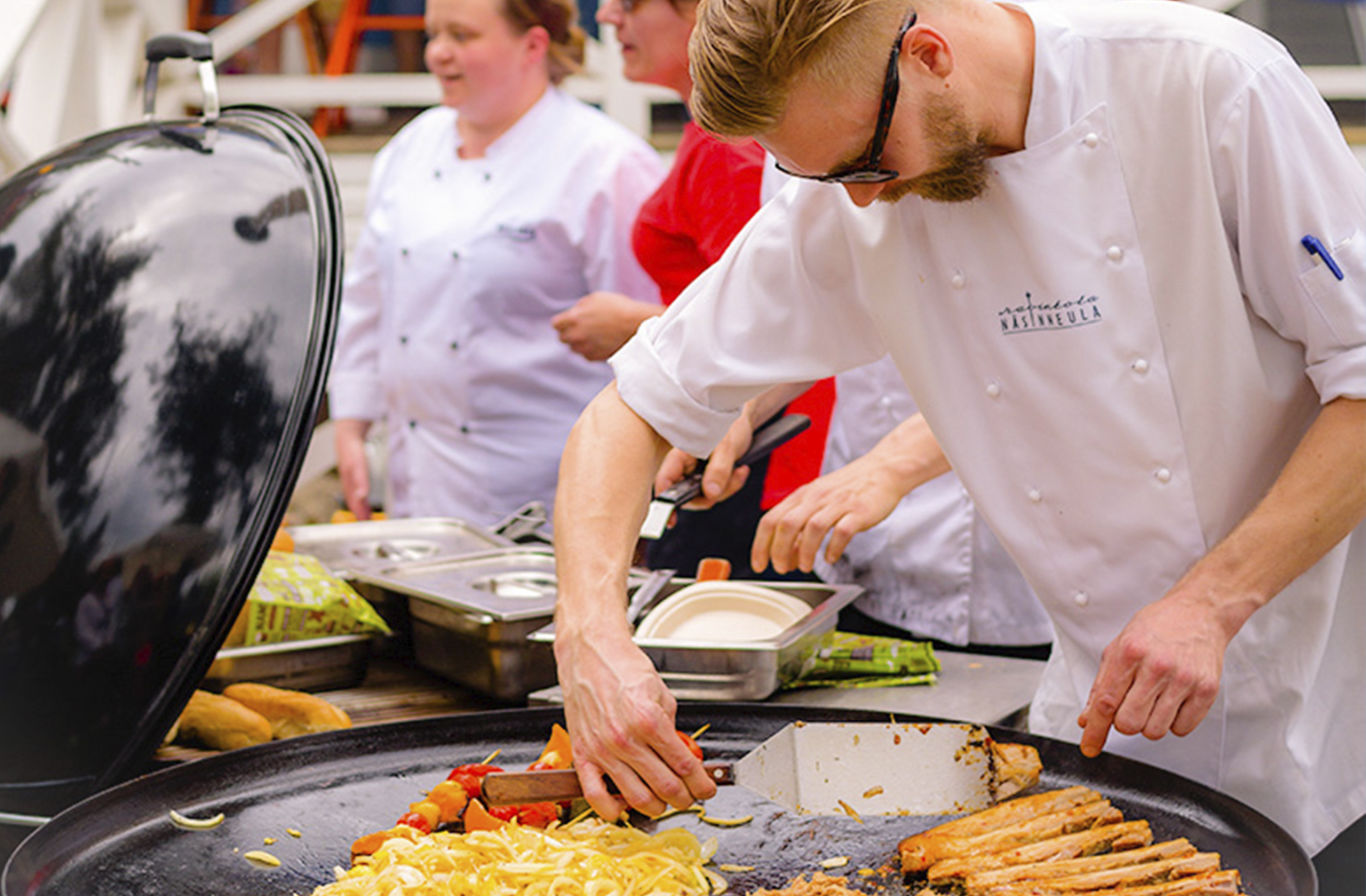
{"x": 868, "y": 169}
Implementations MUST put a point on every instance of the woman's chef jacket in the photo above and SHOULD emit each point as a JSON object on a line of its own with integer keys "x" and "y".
{"x": 933, "y": 567}
{"x": 445, "y": 325}
{"x": 1118, "y": 346}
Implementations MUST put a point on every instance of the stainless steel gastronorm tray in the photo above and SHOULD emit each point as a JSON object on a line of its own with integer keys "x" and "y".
{"x": 369, "y": 546}
{"x": 751, "y": 670}
{"x": 471, "y": 616}
{"x": 313, "y": 664}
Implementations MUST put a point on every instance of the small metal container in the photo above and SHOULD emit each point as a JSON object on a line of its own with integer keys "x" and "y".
{"x": 471, "y": 617}
{"x": 750, "y": 670}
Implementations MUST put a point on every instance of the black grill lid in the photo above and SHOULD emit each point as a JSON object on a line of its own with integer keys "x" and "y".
{"x": 168, "y": 300}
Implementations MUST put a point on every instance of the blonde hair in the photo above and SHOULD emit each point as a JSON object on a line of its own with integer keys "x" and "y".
{"x": 744, "y": 55}
{"x": 560, "y": 19}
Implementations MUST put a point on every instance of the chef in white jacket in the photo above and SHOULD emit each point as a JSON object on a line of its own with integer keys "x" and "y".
{"x": 1124, "y": 284}
{"x": 486, "y": 216}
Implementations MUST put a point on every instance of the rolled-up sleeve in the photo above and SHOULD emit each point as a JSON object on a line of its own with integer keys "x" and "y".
{"x": 1290, "y": 176}
{"x": 786, "y": 303}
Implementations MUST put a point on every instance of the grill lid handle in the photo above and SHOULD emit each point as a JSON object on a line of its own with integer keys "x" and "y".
{"x": 181, "y": 45}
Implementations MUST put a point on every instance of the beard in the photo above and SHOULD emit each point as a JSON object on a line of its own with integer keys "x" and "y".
{"x": 960, "y": 174}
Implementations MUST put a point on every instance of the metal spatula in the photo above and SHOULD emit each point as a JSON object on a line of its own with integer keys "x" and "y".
{"x": 836, "y": 768}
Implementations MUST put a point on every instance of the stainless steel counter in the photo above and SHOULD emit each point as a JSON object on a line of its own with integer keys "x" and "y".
{"x": 971, "y": 687}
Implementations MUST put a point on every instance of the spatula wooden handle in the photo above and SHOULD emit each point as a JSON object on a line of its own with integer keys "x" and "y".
{"x": 557, "y": 785}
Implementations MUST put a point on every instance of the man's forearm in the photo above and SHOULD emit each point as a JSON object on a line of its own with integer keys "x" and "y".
{"x": 911, "y": 454}
{"x": 604, "y": 486}
{"x": 1316, "y": 501}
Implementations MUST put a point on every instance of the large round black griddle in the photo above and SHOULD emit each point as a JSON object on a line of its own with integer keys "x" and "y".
{"x": 334, "y": 787}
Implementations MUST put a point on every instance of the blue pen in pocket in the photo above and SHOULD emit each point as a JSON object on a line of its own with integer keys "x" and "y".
{"x": 1314, "y": 246}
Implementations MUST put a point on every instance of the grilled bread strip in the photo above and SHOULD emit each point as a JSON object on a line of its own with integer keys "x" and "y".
{"x": 999, "y": 816}
{"x": 1133, "y": 875}
{"x": 1017, "y": 768}
{"x": 1108, "y": 838}
{"x": 1215, "y": 883}
{"x": 920, "y": 855}
{"x": 981, "y": 881}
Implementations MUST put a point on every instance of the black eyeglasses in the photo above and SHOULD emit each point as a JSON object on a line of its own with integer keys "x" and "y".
{"x": 868, "y": 169}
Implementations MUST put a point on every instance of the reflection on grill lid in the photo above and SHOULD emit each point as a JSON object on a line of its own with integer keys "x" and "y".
{"x": 168, "y": 297}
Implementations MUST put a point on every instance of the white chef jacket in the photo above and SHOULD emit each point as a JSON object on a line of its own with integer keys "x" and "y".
{"x": 1118, "y": 346}
{"x": 445, "y": 323}
{"x": 932, "y": 568}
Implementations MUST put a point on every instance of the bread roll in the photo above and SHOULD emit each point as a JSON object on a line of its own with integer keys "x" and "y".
{"x": 220, "y": 723}
{"x": 288, "y": 712}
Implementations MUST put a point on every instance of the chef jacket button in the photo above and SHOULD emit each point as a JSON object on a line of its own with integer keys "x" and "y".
{"x": 1034, "y": 495}
{"x": 1092, "y": 140}
{"x": 403, "y": 340}
{"x": 455, "y": 346}
{"x": 958, "y": 280}
{"x": 403, "y": 252}
{"x": 1162, "y": 474}
{"x": 993, "y": 390}
{"x": 1081, "y": 598}
{"x": 487, "y": 177}
{"x": 885, "y": 401}
{"x": 464, "y": 429}
{"x": 455, "y": 254}
{"x": 1140, "y": 366}
{"x": 412, "y": 424}
{"x": 1114, "y": 253}
{"x": 437, "y": 174}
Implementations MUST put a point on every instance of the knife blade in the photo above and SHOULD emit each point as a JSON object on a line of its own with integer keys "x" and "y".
{"x": 855, "y": 768}
{"x": 766, "y": 438}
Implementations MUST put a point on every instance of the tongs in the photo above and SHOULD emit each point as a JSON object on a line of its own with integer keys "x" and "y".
{"x": 766, "y": 438}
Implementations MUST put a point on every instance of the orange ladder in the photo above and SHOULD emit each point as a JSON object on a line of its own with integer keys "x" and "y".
{"x": 355, "y": 20}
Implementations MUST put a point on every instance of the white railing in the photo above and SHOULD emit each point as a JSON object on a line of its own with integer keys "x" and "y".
{"x": 74, "y": 68}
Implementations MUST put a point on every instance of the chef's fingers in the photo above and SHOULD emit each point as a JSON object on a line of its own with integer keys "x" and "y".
{"x": 675, "y": 466}
{"x": 812, "y": 534}
{"x": 1107, "y": 695}
{"x": 607, "y": 805}
{"x": 840, "y": 536}
{"x": 1192, "y": 713}
{"x": 660, "y": 773}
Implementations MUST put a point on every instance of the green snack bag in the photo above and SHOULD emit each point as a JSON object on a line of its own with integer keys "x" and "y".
{"x": 844, "y": 655}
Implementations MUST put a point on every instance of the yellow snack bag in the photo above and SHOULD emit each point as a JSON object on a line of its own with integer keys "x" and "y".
{"x": 295, "y": 597}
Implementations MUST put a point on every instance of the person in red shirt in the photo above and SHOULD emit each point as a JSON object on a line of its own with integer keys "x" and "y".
{"x": 712, "y": 190}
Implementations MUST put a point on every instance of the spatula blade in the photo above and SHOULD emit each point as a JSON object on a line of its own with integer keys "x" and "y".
{"x": 873, "y": 768}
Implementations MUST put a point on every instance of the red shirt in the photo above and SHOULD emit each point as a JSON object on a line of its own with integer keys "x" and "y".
{"x": 711, "y": 191}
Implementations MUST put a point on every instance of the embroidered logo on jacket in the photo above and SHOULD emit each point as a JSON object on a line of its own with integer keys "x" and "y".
{"x": 1060, "y": 315}
{"x": 520, "y": 234}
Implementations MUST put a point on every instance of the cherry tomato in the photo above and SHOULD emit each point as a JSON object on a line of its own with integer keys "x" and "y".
{"x": 471, "y": 777}
{"x": 538, "y": 815}
{"x": 503, "y": 813}
{"x": 690, "y": 744}
{"x": 415, "y": 820}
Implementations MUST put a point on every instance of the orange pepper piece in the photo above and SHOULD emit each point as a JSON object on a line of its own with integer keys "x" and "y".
{"x": 713, "y": 569}
{"x": 368, "y": 844}
{"x": 477, "y": 818}
{"x": 558, "y": 752}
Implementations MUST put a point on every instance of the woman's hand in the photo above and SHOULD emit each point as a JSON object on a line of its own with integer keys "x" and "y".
{"x": 352, "y": 465}
{"x": 600, "y": 323}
